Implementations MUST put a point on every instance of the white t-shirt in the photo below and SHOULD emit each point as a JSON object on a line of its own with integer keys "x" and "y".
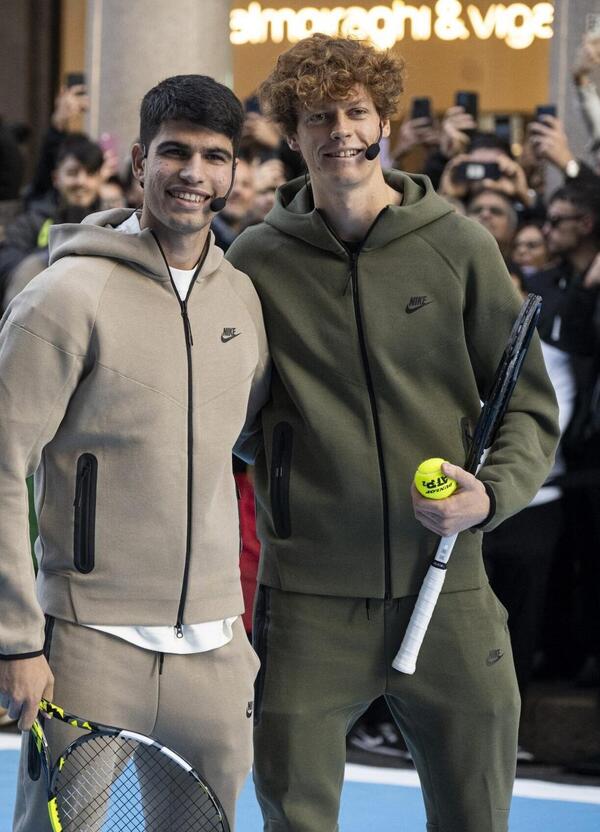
{"x": 197, "y": 638}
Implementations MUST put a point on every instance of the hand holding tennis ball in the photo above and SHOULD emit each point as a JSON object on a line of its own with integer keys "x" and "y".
{"x": 469, "y": 506}
{"x": 431, "y": 482}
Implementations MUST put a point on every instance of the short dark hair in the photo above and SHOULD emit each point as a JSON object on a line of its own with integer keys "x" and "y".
{"x": 485, "y": 141}
{"x": 585, "y": 197}
{"x": 198, "y": 99}
{"x": 81, "y": 147}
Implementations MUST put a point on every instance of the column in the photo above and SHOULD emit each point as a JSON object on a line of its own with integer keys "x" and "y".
{"x": 131, "y": 46}
{"x": 571, "y": 17}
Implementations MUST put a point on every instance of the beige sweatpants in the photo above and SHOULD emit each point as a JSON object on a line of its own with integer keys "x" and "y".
{"x": 199, "y": 704}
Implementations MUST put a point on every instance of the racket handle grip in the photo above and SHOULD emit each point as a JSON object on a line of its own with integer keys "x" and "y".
{"x": 406, "y": 657}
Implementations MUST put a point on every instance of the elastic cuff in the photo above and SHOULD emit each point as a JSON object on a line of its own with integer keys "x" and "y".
{"x": 14, "y": 656}
{"x": 492, "y": 511}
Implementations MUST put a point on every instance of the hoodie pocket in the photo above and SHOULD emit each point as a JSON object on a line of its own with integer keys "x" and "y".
{"x": 466, "y": 434}
{"x": 281, "y": 457}
{"x": 85, "y": 513}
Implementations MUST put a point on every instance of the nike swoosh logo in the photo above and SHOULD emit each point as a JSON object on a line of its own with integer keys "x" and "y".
{"x": 410, "y": 308}
{"x": 494, "y": 656}
{"x": 226, "y": 338}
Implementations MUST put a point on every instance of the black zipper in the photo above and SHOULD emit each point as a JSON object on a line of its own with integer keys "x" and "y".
{"x": 280, "y": 478}
{"x": 238, "y": 495}
{"x": 354, "y": 255}
{"x": 189, "y": 343}
{"x": 376, "y": 425}
{"x": 84, "y": 526}
{"x": 260, "y": 634}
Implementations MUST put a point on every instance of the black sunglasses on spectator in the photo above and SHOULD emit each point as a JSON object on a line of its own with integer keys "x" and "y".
{"x": 553, "y": 222}
{"x": 528, "y": 244}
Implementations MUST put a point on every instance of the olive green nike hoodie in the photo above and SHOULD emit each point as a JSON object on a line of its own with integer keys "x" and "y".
{"x": 380, "y": 360}
{"x": 126, "y": 403}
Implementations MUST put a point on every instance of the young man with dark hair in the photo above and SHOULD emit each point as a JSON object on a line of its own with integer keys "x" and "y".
{"x": 387, "y": 315}
{"x": 76, "y": 181}
{"x": 129, "y": 368}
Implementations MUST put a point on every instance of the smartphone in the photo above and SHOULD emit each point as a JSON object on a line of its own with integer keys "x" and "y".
{"x": 469, "y": 101}
{"x": 545, "y": 110}
{"x": 502, "y": 128}
{"x": 476, "y": 171}
{"x": 420, "y": 108}
{"x": 74, "y": 79}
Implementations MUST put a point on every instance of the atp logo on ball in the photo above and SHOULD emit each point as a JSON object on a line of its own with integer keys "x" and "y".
{"x": 437, "y": 486}
{"x": 431, "y": 482}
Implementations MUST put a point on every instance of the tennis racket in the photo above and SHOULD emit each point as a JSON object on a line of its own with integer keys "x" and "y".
{"x": 486, "y": 428}
{"x": 110, "y": 779}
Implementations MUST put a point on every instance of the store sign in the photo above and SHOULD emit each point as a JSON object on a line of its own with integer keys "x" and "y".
{"x": 517, "y": 24}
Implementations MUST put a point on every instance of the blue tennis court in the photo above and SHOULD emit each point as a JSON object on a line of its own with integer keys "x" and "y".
{"x": 388, "y": 799}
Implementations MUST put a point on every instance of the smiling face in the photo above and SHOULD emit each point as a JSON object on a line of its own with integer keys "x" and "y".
{"x": 333, "y": 135}
{"x": 185, "y": 168}
{"x": 75, "y": 184}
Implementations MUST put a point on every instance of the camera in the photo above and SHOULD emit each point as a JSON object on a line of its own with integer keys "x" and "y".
{"x": 476, "y": 171}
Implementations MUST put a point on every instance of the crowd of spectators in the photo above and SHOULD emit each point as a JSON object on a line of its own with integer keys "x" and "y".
{"x": 542, "y": 563}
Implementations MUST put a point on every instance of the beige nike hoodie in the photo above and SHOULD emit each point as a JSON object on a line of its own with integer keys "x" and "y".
{"x": 125, "y": 402}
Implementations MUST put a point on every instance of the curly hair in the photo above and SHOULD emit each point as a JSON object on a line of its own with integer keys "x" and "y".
{"x": 323, "y": 67}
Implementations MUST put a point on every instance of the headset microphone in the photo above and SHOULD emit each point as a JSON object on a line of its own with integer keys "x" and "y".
{"x": 219, "y": 202}
{"x": 372, "y": 151}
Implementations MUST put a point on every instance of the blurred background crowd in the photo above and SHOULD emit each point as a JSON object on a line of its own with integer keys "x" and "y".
{"x": 538, "y": 199}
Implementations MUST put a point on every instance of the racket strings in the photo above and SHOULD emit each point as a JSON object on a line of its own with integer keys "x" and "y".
{"x": 114, "y": 784}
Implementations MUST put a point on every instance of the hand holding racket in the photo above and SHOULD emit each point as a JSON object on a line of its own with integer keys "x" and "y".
{"x": 486, "y": 428}
{"x": 111, "y": 779}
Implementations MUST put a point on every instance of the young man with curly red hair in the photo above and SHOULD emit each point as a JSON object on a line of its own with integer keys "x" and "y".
{"x": 387, "y": 315}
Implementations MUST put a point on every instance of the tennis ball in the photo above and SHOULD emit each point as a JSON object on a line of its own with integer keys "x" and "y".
{"x": 431, "y": 482}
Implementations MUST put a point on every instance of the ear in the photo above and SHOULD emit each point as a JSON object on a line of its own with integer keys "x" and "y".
{"x": 138, "y": 161}
{"x": 587, "y": 224}
{"x": 293, "y": 143}
{"x": 386, "y": 128}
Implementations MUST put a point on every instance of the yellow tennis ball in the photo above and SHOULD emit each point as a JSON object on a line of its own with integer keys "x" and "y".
{"x": 431, "y": 482}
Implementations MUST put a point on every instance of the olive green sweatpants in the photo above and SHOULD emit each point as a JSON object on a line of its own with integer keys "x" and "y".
{"x": 324, "y": 659}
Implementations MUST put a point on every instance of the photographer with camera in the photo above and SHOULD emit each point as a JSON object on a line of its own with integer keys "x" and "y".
{"x": 487, "y": 166}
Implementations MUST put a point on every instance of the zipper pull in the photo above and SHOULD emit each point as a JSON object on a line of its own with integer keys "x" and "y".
{"x": 79, "y": 490}
{"x": 187, "y": 325}
{"x": 178, "y": 630}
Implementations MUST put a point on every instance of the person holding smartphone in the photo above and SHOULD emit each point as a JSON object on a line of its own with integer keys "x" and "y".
{"x": 549, "y": 140}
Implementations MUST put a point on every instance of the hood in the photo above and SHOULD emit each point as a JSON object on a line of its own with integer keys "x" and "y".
{"x": 294, "y": 212}
{"x": 96, "y": 237}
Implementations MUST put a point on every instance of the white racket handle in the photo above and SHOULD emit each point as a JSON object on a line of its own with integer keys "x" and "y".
{"x": 406, "y": 657}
